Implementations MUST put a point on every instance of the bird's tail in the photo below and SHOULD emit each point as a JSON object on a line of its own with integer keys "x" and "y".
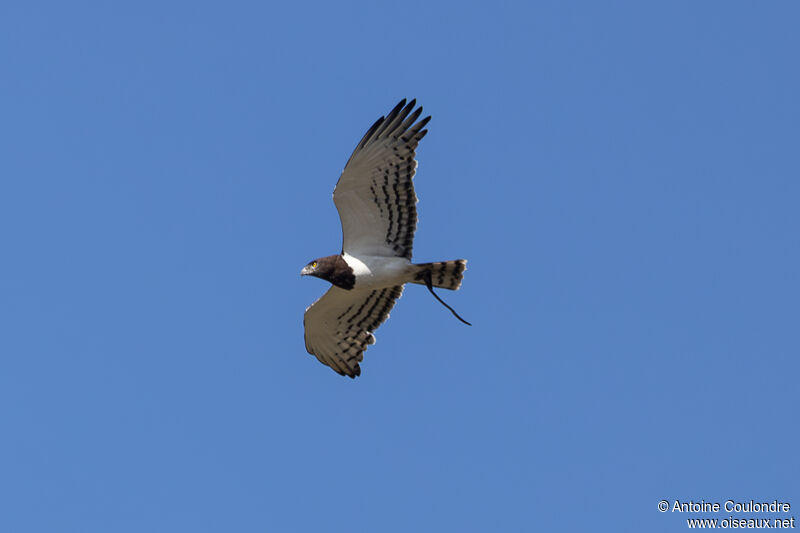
{"x": 443, "y": 274}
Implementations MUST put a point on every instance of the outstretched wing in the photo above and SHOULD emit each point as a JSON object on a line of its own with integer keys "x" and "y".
{"x": 375, "y": 195}
{"x": 339, "y": 325}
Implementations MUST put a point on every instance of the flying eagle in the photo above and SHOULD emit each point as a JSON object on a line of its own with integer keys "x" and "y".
{"x": 377, "y": 207}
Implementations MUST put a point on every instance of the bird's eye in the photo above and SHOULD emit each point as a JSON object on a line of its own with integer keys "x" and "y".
{"x": 313, "y": 264}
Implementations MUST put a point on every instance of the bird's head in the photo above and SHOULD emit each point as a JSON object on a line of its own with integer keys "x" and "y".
{"x": 311, "y": 269}
{"x": 333, "y": 269}
{"x": 322, "y": 267}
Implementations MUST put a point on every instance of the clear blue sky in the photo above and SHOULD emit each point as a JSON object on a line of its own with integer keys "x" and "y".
{"x": 622, "y": 177}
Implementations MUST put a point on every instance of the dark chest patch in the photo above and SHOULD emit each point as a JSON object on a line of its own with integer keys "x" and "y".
{"x": 336, "y": 270}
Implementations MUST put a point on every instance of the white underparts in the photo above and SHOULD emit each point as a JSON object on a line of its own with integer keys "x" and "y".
{"x": 373, "y": 272}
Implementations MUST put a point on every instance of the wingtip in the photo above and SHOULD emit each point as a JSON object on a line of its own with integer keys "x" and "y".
{"x": 400, "y": 105}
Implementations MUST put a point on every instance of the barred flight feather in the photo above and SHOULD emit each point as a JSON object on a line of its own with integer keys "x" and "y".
{"x": 339, "y": 325}
{"x": 375, "y": 193}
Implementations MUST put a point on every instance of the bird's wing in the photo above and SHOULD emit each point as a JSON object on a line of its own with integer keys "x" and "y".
{"x": 375, "y": 195}
{"x": 339, "y": 325}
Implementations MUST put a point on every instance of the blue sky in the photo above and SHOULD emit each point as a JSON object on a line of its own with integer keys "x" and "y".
{"x": 622, "y": 177}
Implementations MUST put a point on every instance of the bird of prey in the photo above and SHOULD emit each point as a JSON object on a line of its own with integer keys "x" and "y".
{"x": 377, "y": 206}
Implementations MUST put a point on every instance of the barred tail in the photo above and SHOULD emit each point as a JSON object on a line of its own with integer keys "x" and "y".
{"x": 444, "y": 274}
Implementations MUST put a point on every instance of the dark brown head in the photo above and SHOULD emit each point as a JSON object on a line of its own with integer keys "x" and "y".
{"x": 333, "y": 269}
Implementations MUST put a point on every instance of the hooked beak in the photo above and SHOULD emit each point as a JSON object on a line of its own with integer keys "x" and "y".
{"x": 306, "y": 271}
